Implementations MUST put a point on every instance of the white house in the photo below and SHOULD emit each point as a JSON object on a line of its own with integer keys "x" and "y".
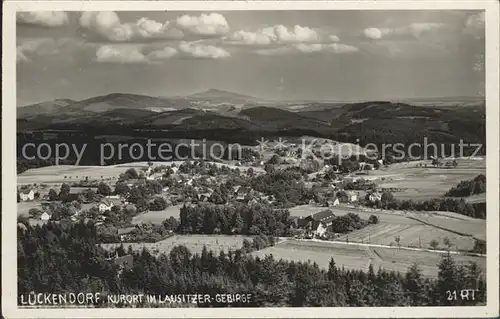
{"x": 113, "y": 197}
{"x": 334, "y": 202}
{"x": 27, "y": 195}
{"x": 352, "y": 196}
{"x": 320, "y": 230}
{"x": 374, "y": 197}
{"x": 45, "y": 216}
{"x": 104, "y": 206}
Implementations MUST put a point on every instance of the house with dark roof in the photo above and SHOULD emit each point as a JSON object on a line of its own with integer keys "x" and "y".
{"x": 317, "y": 223}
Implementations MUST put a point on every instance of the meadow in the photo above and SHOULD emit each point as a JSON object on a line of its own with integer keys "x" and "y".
{"x": 157, "y": 217}
{"x": 353, "y": 256}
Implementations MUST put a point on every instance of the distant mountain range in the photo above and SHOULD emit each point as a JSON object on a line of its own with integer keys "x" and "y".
{"x": 217, "y": 110}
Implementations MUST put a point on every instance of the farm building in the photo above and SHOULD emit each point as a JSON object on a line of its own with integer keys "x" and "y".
{"x": 374, "y": 197}
{"x": 45, "y": 216}
{"x": 333, "y": 202}
{"x": 27, "y": 195}
{"x": 317, "y": 223}
{"x": 105, "y": 205}
{"x": 352, "y": 196}
{"x": 242, "y": 192}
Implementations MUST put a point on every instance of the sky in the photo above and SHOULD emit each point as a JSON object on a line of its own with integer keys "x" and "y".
{"x": 302, "y": 55}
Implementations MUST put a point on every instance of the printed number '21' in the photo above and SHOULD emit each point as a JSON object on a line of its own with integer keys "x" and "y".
{"x": 451, "y": 295}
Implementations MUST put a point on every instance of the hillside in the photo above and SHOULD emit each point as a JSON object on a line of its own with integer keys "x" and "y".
{"x": 274, "y": 118}
{"x": 43, "y": 107}
{"x": 220, "y": 94}
{"x": 214, "y": 113}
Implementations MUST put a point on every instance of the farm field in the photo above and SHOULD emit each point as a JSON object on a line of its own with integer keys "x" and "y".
{"x": 410, "y": 236}
{"x": 409, "y": 226}
{"x": 56, "y": 174}
{"x": 352, "y": 256}
{"x": 194, "y": 243}
{"x": 157, "y": 217}
{"x": 420, "y": 183}
{"x": 398, "y": 259}
{"x": 73, "y": 173}
{"x": 24, "y": 207}
{"x": 473, "y": 227}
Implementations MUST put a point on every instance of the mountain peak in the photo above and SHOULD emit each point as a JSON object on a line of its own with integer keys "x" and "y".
{"x": 216, "y": 93}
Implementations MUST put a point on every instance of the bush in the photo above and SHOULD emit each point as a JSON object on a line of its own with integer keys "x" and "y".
{"x": 373, "y": 219}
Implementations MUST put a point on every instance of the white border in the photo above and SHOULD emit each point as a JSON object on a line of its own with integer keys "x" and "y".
{"x": 9, "y": 252}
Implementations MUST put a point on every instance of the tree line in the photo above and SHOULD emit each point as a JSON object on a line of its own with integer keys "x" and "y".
{"x": 477, "y": 185}
{"x": 459, "y": 206}
{"x": 57, "y": 259}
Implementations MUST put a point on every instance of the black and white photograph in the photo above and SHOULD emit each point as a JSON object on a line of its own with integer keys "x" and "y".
{"x": 224, "y": 157}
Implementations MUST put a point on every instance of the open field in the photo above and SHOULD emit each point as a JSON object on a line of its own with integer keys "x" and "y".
{"x": 56, "y": 174}
{"x": 72, "y": 173}
{"x": 194, "y": 243}
{"x": 475, "y": 227}
{"x": 157, "y": 217}
{"x": 409, "y": 226}
{"x": 353, "y": 256}
{"x": 410, "y": 236}
{"x": 24, "y": 207}
{"x": 420, "y": 183}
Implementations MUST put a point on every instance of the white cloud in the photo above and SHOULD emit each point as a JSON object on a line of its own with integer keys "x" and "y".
{"x": 134, "y": 53}
{"x": 474, "y": 24}
{"x": 333, "y": 38}
{"x": 212, "y": 24}
{"x": 277, "y": 34}
{"x": 339, "y": 48}
{"x": 415, "y": 30}
{"x": 249, "y": 38}
{"x": 309, "y": 48}
{"x": 202, "y": 51}
{"x": 418, "y": 29}
{"x": 301, "y": 48}
{"x": 120, "y": 54}
{"x": 109, "y": 26}
{"x": 164, "y": 54}
{"x": 43, "y": 18}
{"x": 29, "y": 48}
{"x": 373, "y": 33}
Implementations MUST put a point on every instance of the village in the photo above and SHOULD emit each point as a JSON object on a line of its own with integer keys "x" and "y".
{"x": 278, "y": 193}
{"x": 154, "y": 188}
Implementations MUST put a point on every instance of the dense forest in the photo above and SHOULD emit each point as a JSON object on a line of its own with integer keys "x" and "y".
{"x": 234, "y": 219}
{"x": 467, "y": 188}
{"x": 58, "y": 259}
